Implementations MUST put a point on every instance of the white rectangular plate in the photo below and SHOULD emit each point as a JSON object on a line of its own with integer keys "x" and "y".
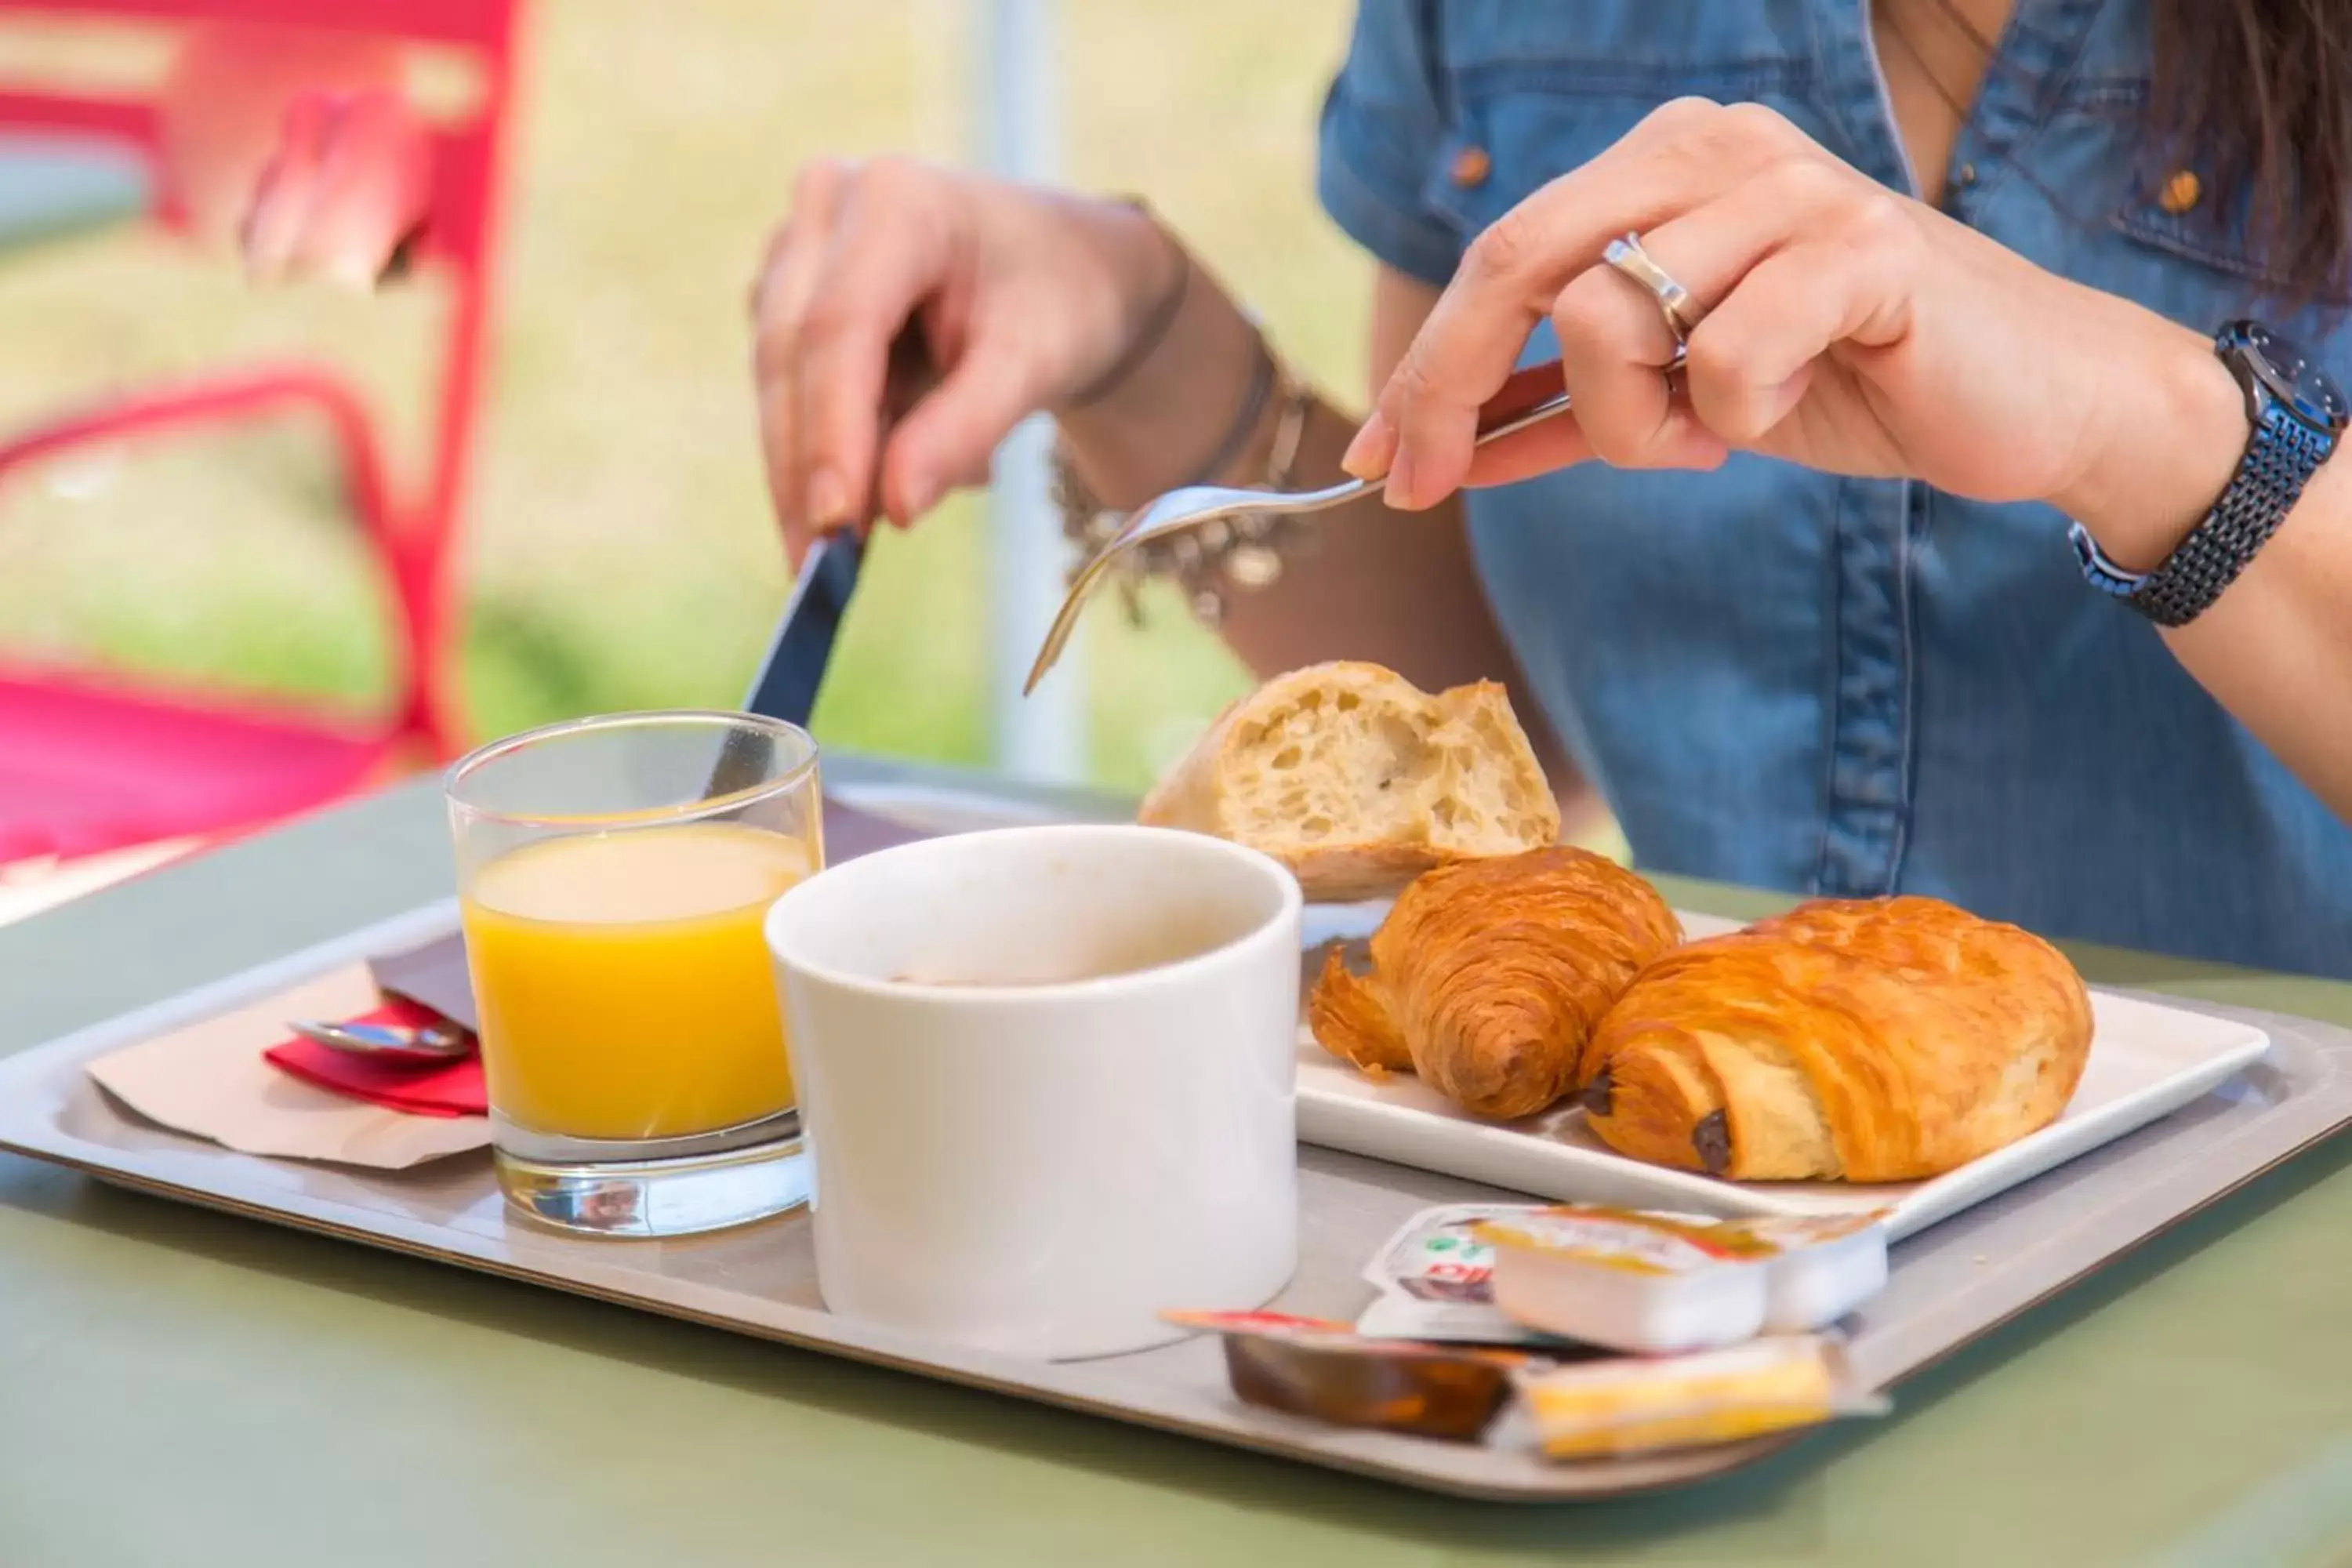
{"x": 2147, "y": 1060}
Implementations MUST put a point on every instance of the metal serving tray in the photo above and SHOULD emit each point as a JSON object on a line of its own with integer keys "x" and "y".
{"x": 1952, "y": 1282}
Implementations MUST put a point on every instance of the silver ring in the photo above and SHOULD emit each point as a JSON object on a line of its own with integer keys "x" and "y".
{"x": 1682, "y": 312}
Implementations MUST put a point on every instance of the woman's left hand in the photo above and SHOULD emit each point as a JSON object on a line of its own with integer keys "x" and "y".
{"x": 1844, "y": 327}
{"x": 343, "y": 193}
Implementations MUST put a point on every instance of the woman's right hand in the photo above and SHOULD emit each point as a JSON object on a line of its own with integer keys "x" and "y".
{"x": 1022, "y": 297}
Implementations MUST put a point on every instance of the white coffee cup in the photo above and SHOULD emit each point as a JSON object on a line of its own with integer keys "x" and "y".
{"x": 1047, "y": 1078}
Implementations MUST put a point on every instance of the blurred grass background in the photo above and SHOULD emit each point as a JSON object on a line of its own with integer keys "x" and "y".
{"x": 618, "y": 548}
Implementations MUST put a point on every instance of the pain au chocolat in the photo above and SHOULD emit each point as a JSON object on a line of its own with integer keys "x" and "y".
{"x": 1865, "y": 1041}
{"x": 1487, "y": 976}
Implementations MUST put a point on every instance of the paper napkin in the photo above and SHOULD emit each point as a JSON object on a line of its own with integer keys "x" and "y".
{"x": 209, "y": 1079}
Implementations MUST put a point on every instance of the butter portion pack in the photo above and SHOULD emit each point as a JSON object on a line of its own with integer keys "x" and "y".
{"x": 1606, "y": 1409}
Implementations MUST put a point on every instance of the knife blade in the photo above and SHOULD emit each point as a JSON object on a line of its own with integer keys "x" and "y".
{"x": 793, "y": 671}
{"x": 793, "y": 668}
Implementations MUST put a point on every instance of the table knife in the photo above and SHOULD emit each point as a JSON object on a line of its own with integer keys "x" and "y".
{"x": 793, "y": 670}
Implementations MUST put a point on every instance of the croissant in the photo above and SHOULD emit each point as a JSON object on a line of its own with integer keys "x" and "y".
{"x": 1487, "y": 976}
{"x": 1861, "y": 1040}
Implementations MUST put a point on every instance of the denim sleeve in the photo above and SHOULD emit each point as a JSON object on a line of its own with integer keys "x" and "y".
{"x": 1382, "y": 126}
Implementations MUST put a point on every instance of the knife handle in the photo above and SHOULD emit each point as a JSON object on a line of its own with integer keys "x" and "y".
{"x": 911, "y": 375}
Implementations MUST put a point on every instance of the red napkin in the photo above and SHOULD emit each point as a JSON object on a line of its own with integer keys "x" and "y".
{"x": 453, "y": 1091}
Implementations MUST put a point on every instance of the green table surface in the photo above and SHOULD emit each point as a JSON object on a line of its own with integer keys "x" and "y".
{"x": 177, "y": 1387}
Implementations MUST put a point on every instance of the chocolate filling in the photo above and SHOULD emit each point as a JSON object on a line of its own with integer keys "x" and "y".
{"x": 1599, "y": 1095}
{"x": 1711, "y": 1140}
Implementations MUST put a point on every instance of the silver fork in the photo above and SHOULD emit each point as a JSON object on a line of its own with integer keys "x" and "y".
{"x": 1529, "y": 397}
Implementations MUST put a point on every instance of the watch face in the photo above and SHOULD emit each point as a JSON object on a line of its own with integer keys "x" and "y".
{"x": 2290, "y": 376}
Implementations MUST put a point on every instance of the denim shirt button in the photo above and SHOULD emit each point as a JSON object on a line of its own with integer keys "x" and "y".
{"x": 1471, "y": 167}
{"x": 2180, "y": 192}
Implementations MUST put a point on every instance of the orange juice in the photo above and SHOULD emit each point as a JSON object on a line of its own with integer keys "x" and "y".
{"x": 624, "y": 985}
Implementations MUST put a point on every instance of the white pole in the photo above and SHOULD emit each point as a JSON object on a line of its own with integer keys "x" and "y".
{"x": 1017, "y": 134}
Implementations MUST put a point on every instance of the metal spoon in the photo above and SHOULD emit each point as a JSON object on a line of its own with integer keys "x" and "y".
{"x": 435, "y": 1045}
{"x": 1529, "y": 397}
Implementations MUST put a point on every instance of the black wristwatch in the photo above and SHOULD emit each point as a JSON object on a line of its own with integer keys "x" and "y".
{"x": 2297, "y": 413}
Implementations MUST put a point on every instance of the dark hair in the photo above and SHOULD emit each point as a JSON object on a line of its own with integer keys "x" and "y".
{"x": 2257, "y": 95}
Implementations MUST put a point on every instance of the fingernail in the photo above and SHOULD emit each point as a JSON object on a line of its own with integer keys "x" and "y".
{"x": 919, "y": 495}
{"x": 1398, "y": 493}
{"x": 354, "y": 271}
{"x": 829, "y": 499}
{"x": 1370, "y": 452}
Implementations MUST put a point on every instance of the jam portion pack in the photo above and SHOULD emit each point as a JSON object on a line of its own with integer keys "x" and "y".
{"x": 1324, "y": 1369}
{"x": 1436, "y": 1279}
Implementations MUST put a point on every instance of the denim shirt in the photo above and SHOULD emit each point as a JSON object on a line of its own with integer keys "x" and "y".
{"x": 1839, "y": 686}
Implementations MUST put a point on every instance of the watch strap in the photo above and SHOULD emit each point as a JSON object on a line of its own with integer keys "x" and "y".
{"x": 2280, "y": 459}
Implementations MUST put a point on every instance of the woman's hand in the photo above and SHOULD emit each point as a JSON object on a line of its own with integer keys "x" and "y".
{"x": 345, "y": 192}
{"x": 1846, "y": 328}
{"x": 1023, "y": 298}
{"x": 299, "y": 148}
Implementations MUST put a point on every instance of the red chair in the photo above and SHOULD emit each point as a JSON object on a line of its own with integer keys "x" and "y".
{"x": 89, "y": 764}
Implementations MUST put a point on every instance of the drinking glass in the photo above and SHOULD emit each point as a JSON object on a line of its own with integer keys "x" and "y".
{"x": 613, "y": 874}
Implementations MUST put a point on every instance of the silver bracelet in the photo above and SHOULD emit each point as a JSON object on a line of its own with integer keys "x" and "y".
{"x": 1244, "y": 554}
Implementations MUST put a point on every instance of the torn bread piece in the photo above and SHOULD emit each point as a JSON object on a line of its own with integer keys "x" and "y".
{"x": 1359, "y": 781}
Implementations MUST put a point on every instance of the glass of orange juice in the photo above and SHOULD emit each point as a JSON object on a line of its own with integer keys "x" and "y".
{"x": 612, "y": 877}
